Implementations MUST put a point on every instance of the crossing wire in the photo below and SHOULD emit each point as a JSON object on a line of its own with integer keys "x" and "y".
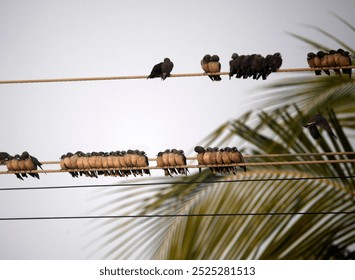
{"x": 84, "y": 79}
{"x": 175, "y": 215}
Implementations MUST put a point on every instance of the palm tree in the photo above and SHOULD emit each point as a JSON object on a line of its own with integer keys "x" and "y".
{"x": 271, "y": 212}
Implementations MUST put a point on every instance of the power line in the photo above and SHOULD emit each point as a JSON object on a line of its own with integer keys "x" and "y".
{"x": 260, "y": 164}
{"x": 84, "y": 79}
{"x": 170, "y": 182}
{"x": 176, "y": 215}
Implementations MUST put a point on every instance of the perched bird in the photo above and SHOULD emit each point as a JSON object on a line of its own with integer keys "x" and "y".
{"x": 31, "y": 163}
{"x": 318, "y": 120}
{"x": 245, "y": 67}
{"x": 160, "y": 163}
{"x": 19, "y": 165}
{"x": 232, "y": 65}
{"x": 200, "y": 155}
{"x": 310, "y": 59}
{"x": 180, "y": 160}
{"x": 345, "y": 60}
{"x": 10, "y": 167}
{"x": 156, "y": 71}
{"x": 324, "y": 61}
{"x": 256, "y": 66}
{"x": 143, "y": 162}
{"x": 276, "y": 62}
{"x": 266, "y": 66}
{"x": 213, "y": 159}
{"x": 237, "y": 157}
{"x": 166, "y": 68}
{"x": 4, "y": 157}
{"x": 237, "y": 64}
{"x": 66, "y": 163}
{"x": 162, "y": 69}
{"x": 215, "y": 66}
{"x": 205, "y": 64}
{"x": 226, "y": 160}
{"x": 331, "y": 61}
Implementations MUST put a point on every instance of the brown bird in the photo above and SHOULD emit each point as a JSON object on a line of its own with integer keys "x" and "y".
{"x": 323, "y": 60}
{"x": 169, "y": 160}
{"x": 205, "y": 64}
{"x": 180, "y": 160}
{"x": 122, "y": 158}
{"x": 143, "y": 162}
{"x": 331, "y": 61}
{"x": 226, "y": 160}
{"x": 160, "y": 163}
{"x": 11, "y": 168}
{"x": 31, "y": 163}
{"x": 237, "y": 157}
{"x": 310, "y": 59}
{"x": 200, "y": 152}
{"x": 207, "y": 158}
{"x": 213, "y": 158}
{"x": 214, "y": 66}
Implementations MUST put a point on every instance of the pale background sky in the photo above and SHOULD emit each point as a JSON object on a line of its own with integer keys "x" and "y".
{"x": 59, "y": 39}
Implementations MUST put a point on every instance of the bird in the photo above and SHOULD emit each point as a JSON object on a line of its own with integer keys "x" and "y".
{"x": 213, "y": 159}
{"x": 310, "y": 60}
{"x": 180, "y": 159}
{"x": 323, "y": 60}
{"x": 331, "y": 61}
{"x": 166, "y": 68}
{"x": 214, "y": 67}
{"x": 4, "y": 157}
{"x": 237, "y": 157}
{"x": 200, "y": 152}
{"x": 205, "y": 64}
{"x": 226, "y": 160}
{"x": 276, "y": 62}
{"x": 11, "y": 168}
{"x": 232, "y": 65}
{"x": 256, "y": 66}
{"x": 237, "y": 63}
{"x": 20, "y": 165}
{"x": 160, "y": 163}
{"x": 245, "y": 67}
{"x": 318, "y": 120}
{"x": 169, "y": 160}
{"x": 31, "y": 163}
{"x": 162, "y": 69}
{"x": 156, "y": 71}
{"x": 344, "y": 60}
{"x": 207, "y": 158}
{"x": 143, "y": 162}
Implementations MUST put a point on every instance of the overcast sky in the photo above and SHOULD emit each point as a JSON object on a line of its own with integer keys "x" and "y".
{"x": 60, "y": 39}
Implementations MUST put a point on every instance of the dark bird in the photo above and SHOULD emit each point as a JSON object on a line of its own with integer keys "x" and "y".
{"x": 276, "y": 62}
{"x": 232, "y": 67}
{"x": 344, "y": 60}
{"x": 256, "y": 66}
{"x": 166, "y": 68}
{"x": 323, "y": 60}
{"x": 161, "y": 70}
{"x": 4, "y": 157}
{"x": 214, "y": 67}
{"x": 245, "y": 67}
{"x": 318, "y": 120}
{"x": 237, "y": 64}
{"x": 156, "y": 71}
{"x": 205, "y": 64}
{"x": 31, "y": 163}
{"x": 310, "y": 60}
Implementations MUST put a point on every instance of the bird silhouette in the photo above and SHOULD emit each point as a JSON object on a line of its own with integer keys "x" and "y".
{"x": 318, "y": 120}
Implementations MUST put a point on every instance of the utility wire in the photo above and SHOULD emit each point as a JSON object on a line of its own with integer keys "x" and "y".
{"x": 277, "y": 163}
{"x": 176, "y": 215}
{"x": 57, "y": 80}
{"x": 170, "y": 182}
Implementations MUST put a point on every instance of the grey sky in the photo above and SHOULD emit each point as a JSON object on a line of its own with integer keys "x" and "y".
{"x": 58, "y": 39}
